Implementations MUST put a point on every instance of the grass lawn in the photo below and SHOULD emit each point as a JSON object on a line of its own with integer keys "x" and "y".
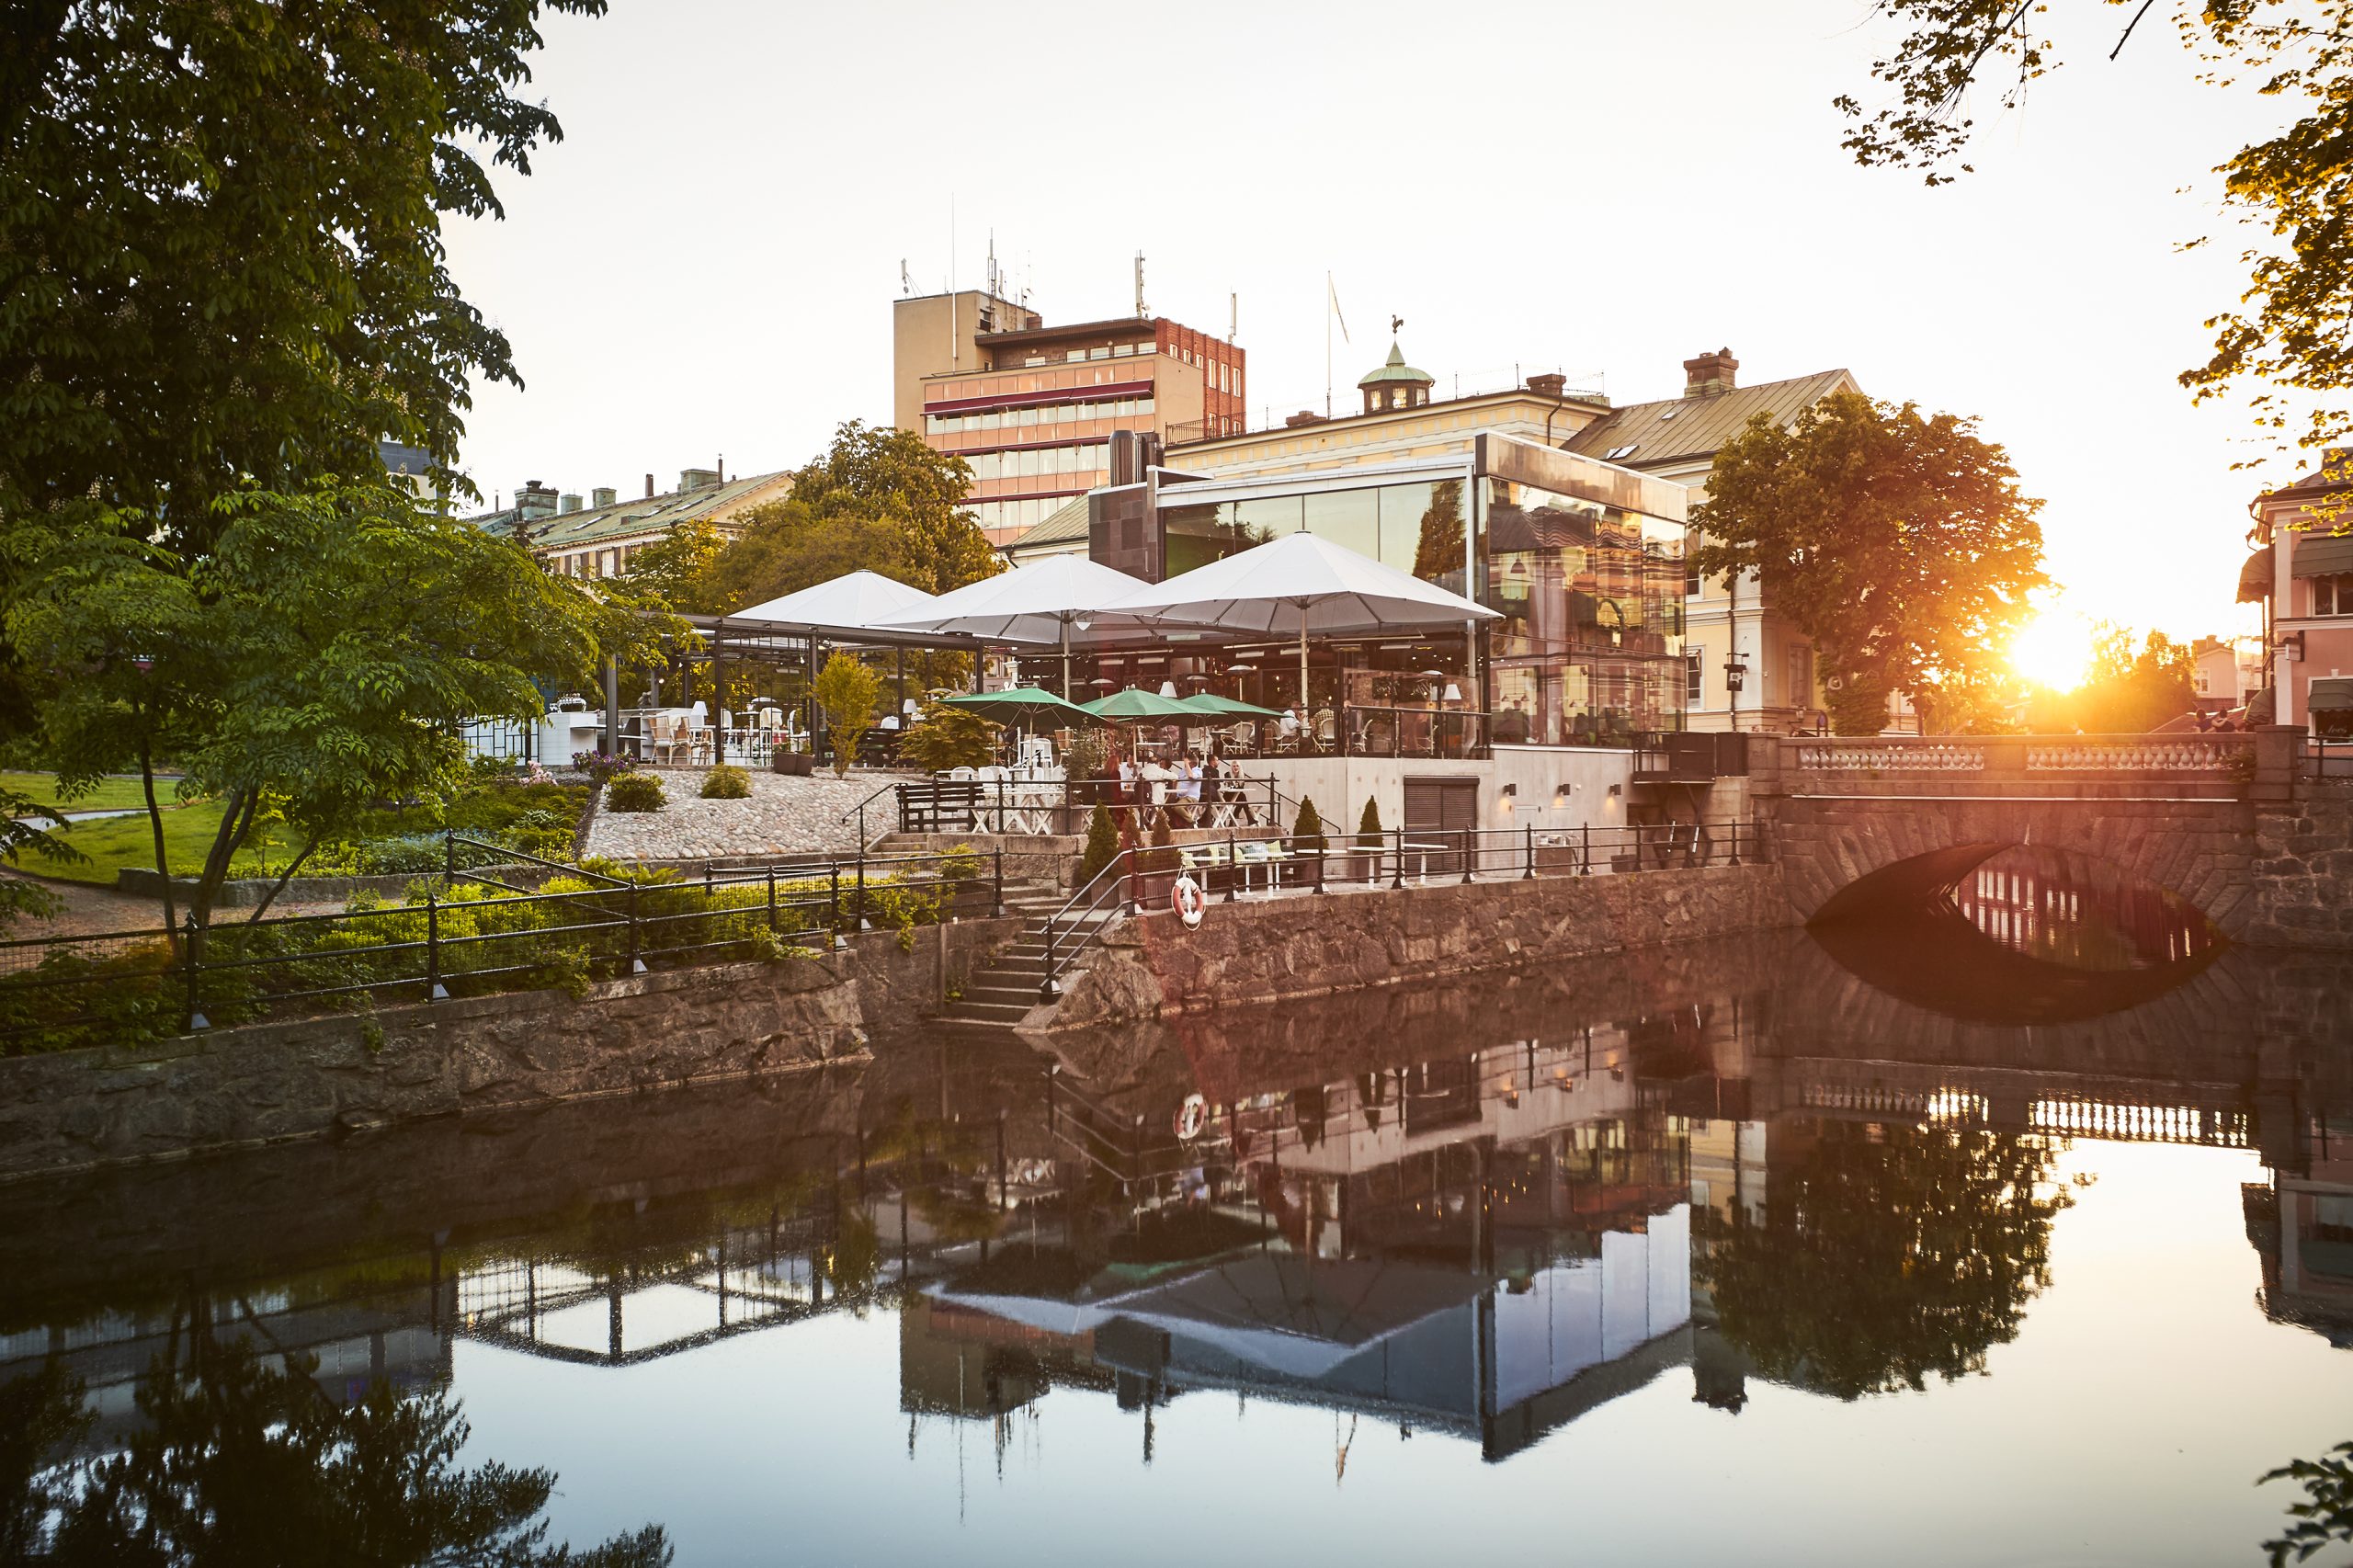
{"x": 112, "y": 794}
{"x": 115, "y": 842}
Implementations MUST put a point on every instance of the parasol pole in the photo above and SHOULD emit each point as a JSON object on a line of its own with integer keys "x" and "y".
{"x": 1304, "y": 707}
{"x": 1065, "y": 620}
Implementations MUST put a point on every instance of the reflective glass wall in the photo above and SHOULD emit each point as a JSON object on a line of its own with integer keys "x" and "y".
{"x": 1590, "y": 646}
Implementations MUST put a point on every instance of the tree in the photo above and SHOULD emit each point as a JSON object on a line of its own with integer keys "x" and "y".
{"x": 786, "y": 547}
{"x": 890, "y": 473}
{"x": 1369, "y": 835}
{"x": 1886, "y": 1256}
{"x": 1102, "y": 845}
{"x": 2291, "y": 326}
{"x": 2126, "y": 691}
{"x": 845, "y": 691}
{"x": 2325, "y": 1515}
{"x": 253, "y": 1463}
{"x": 1307, "y": 829}
{"x": 221, "y": 246}
{"x": 675, "y": 569}
{"x": 1900, "y": 544}
{"x": 318, "y": 656}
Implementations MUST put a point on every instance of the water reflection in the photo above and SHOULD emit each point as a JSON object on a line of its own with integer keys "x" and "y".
{"x": 1485, "y": 1215}
{"x": 2025, "y": 934}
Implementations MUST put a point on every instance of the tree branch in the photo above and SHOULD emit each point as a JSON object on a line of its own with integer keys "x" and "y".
{"x": 2128, "y": 27}
{"x": 279, "y": 886}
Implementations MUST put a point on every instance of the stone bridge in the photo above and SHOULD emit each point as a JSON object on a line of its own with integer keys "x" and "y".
{"x": 2223, "y": 821}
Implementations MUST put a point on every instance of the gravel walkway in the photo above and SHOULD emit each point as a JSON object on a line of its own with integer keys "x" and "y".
{"x": 91, "y": 911}
{"x": 784, "y": 816}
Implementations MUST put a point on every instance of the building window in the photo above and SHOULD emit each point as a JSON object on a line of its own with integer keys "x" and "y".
{"x": 2333, "y": 596}
{"x": 1801, "y": 676}
{"x": 1691, "y": 585}
{"x": 1695, "y": 670}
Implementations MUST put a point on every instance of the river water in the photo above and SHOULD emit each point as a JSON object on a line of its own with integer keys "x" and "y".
{"x": 2016, "y": 1229}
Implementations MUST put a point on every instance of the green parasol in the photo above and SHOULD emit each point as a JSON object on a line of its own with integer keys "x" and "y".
{"x": 1023, "y": 704}
{"x": 1137, "y": 703}
{"x": 1211, "y": 705}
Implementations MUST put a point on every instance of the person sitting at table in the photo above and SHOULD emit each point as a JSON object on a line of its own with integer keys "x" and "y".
{"x": 1511, "y": 724}
{"x": 1212, "y": 777}
{"x": 1189, "y": 787}
{"x": 1151, "y": 790}
{"x": 1287, "y": 729}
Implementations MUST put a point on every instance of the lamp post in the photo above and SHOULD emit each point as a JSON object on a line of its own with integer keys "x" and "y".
{"x": 1735, "y": 676}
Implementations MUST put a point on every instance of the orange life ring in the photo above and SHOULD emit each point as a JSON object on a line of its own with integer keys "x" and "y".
{"x": 1186, "y": 899}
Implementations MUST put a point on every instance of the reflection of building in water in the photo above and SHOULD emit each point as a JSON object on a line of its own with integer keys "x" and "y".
{"x": 2301, "y": 1224}
{"x": 2084, "y": 913}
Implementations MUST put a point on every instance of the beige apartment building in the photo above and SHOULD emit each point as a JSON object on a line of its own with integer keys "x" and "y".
{"x": 1033, "y": 408}
{"x": 1724, "y": 621}
{"x": 596, "y": 536}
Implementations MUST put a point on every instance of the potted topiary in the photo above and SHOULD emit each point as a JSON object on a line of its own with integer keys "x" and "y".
{"x": 1307, "y": 841}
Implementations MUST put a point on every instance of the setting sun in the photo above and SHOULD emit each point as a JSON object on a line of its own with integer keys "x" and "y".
{"x": 2055, "y": 649}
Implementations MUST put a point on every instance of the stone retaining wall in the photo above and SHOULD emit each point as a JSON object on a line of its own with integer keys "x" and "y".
{"x": 1273, "y": 949}
{"x": 316, "y": 1076}
{"x": 2302, "y": 872}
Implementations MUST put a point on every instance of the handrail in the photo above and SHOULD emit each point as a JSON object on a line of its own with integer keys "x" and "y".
{"x": 859, "y": 811}
{"x": 1116, "y": 871}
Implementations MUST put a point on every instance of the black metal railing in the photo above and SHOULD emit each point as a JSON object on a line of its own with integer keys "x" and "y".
{"x": 1046, "y": 807}
{"x": 56, "y": 993}
{"x": 2327, "y": 758}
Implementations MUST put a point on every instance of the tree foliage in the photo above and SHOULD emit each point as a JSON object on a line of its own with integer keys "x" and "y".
{"x": 1899, "y": 542}
{"x": 1888, "y": 1255}
{"x": 1102, "y": 844}
{"x": 2126, "y": 691}
{"x": 945, "y": 737}
{"x": 847, "y": 691}
{"x": 889, "y": 474}
{"x": 316, "y": 658}
{"x": 2293, "y": 329}
{"x": 253, "y": 1463}
{"x": 220, "y": 247}
{"x": 2325, "y": 1514}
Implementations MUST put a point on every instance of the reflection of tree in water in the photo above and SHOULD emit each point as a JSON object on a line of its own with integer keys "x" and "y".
{"x": 1438, "y": 550}
{"x": 2325, "y": 1514}
{"x": 1884, "y": 1257}
{"x": 252, "y": 1465}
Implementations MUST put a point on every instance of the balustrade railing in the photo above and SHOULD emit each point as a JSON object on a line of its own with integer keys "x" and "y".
{"x": 1891, "y": 756}
{"x": 2008, "y": 755}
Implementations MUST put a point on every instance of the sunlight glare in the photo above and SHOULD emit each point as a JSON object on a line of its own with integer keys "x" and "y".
{"x": 2055, "y": 649}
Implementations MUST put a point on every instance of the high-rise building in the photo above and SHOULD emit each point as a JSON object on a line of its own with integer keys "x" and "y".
{"x": 1032, "y": 408}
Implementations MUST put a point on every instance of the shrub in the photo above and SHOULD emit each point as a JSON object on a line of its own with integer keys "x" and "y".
{"x": 602, "y": 766}
{"x": 634, "y": 792}
{"x": 847, "y": 691}
{"x": 950, "y": 737}
{"x": 726, "y": 782}
{"x": 1368, "y": 826}
{"x": 1102, "y": 845}
{"x": 1307, "y": 832}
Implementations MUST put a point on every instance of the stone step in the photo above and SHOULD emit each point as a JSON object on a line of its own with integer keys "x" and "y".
{"x": 1023, "y": 991}
{"x": 967, "y": 1010}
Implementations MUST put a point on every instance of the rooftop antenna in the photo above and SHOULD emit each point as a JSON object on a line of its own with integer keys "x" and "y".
{"x": 993, "y": 281}
{"x": 1233, "y": 316}
{"x": 906, "y": 284}
{"x": 1141, "y": 312}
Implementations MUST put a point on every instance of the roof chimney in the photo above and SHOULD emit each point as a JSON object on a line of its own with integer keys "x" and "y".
{"x": 569, "y": 503}
{"x": 649, "y": 487}
{"x": 535, "y": 500}
{"x": 1710, "y": 374}
{"x": 1549, "y": 384}
{"x": 1304, "y": 417}
{"x": 697, "y": 478}
{"x": 603, "y": 496}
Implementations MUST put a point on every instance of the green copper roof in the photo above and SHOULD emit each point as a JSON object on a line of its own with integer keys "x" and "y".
{"x": 1398, "y": 370}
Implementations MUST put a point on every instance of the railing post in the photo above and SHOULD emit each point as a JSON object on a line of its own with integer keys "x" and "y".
{"x": 636, "y": 964}
{"x": 1322, "y": 855}
{"x": 1528, "y": 875}
{"x": 1735, "y": 841}
{"x": 833, "y": 904}
{"x": 192, "y": 959}
{"x": 1467, "y": 852}
{"x": 433, "y": 990}
{"x": 1233, "y": 867}
{"x": 771, "y": 900}
{"x": 706, "y": 879}
{"x": 1397, "y": 883}
{"x": 999, "y": 857}
{"x": 1584, "y": 849}
{"x": 449, "y": 856}
{"x": 861, "y": 891}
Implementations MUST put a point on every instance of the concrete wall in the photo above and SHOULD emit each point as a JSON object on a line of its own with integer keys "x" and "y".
{"x": 312, "y": 1077}
{"x": 1271, "y": 950}
{"x": 1339, "y": 785}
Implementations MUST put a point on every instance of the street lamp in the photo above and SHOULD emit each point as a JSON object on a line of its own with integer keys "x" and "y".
{"x": 1735, "y": 676}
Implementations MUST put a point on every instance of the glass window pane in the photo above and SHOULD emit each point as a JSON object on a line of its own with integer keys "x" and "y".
{"x": 1349, "y": 519}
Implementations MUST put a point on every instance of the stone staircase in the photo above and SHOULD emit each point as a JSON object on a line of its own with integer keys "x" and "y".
{"x": 999, "y": 992}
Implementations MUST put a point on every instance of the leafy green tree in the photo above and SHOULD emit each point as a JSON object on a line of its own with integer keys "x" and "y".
{"x": 847, "y": 691}
{"x": 1899, "y": 542}
{"x": 2288, "y": 332}
{"x": 889, "y": 473}
{"x": 1887, "y": 1255}
{"x": 786, "y": 546}
{"x": 675, "y": 569}
{"x": 316, "y": 658}
{"x": 1368, "y": 826}
{"x": 2326, "y": 1513}
{"x": 221, "y": 242}
{"x": 947, "y": 737}
{"x": 2126, "y": 691}
{"x": 252, "y": 1463}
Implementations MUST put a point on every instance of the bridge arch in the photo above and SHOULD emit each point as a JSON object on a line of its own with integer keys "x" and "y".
{"x": 2201, "y": 851}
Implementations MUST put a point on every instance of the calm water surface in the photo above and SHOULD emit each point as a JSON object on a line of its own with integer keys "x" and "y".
{"x": 2016, "y": 1228}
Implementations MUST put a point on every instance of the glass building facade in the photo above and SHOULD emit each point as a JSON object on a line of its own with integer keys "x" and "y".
{"x": 1583, "y": 563}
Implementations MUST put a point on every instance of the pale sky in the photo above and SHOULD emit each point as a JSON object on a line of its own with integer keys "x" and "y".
{"x": 706, "y": 264}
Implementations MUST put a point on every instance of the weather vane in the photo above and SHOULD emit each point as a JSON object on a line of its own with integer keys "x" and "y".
{"x": 1394, "y": 323}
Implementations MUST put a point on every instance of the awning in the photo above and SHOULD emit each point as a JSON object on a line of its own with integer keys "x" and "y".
{"x": 2322, "y": 555}
{"x": 2255, "y": 577}
{"x": 2330, "y": 693}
